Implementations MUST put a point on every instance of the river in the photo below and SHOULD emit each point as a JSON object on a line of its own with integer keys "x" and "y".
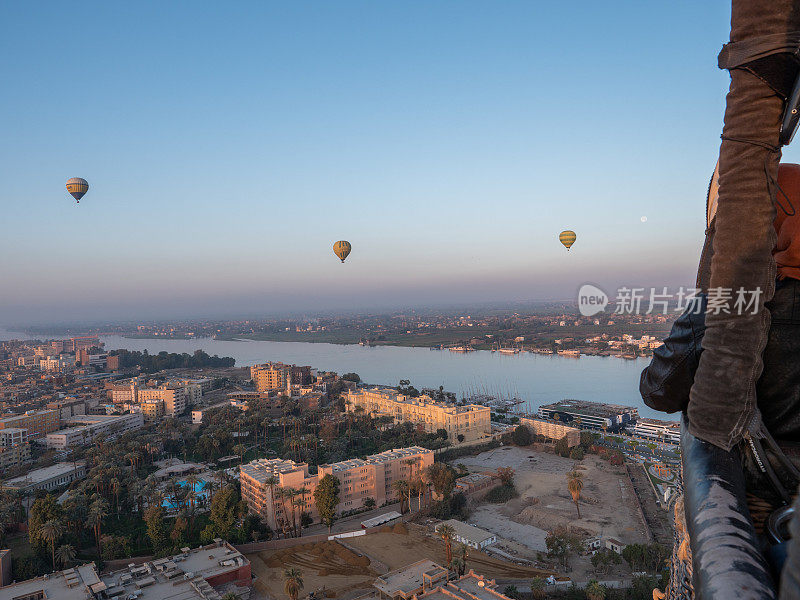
{"x": 535, "y": 378}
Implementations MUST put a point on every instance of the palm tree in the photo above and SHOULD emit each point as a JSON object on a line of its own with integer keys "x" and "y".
{"x": 456, "y": 565}
{"x": 115, "y": 486}
{"x": 446, "y": 532}
{"x": 595, "y": 591}
{"x": 51, "y": 532}
{"x": 537, "y": 588}
{"x": 66, "y": 554}
{"x": 240, "y": 450}
{"x": 97, "y": 512}
{"x": 401, "y": 488}
{"x": 575, "y": 485}
{"x": 292, "y": 582}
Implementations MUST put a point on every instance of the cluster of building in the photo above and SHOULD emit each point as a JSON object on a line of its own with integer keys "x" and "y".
{"x": 158, "y": 398}
{"x": 359, "y": 480}
{"x": 462, "y": 423}
{"x": 205, "y": 573}
{"x": 61, "y": 356}
{"x": 427, "y": 580}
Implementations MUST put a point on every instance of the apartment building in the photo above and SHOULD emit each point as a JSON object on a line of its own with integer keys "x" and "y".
{"x": 57, "y": 364}
{"x": 84, "y": 428}
{"x": 152, "y": 410}
{"x": 14, "y": 448}
{"x": 462, "y": 423}
{"x": 552, "y": 430}
{"x": 278, "y": 376}
{"x": 174, "y": 397}
{"x": 359, "y": 479}
{"x": 38, "y": 422}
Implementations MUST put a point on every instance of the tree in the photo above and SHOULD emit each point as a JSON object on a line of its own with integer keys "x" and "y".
{"x": 51, "y": 532}
{"x": 561, "y": 545}
{"x": 401, "y": 489}
{"x": 292, "y": 582}
{"x": 352, "y": 377}
{"x": 97, "y": 512}
{"x": 575, "y": 485}
{"x": 224, "y": 510}
{"x": 446, "y": 532}
{"x": 562, "y": 447}
{"x": 326, "y": 499}
{"x": 156, "y": 528}
{"x": 42, "y": 510}
{"x": 369, "y": 503}
{"x": 443, "y": 479}
{"x": 538, "y": 585}
{"x": 65, "y": 554}
{"x": 604, "y": 559}
{"x": 521, "y": 436}
{"x": 240, "y": 450}
{"x": 577, "y": 453}
{"x": 506, "y": 475}
{"x": 595, "y": 591}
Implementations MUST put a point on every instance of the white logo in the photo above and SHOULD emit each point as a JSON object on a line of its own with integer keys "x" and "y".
{"x": 591, "y": 300}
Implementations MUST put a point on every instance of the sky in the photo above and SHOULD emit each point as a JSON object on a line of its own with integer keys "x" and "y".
{"x": 229, "y": 145}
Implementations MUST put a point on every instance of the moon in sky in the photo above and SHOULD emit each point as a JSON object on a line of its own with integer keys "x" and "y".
{"x": 644, "y": 219}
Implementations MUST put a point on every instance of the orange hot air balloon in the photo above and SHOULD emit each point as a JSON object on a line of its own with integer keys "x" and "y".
{"x": 342, "y": 249}
{"x": 77, "y": 187}
{"x": 567, "y": 238}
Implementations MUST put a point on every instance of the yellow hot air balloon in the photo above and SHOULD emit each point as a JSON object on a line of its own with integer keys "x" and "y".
{"x": 342, "y": 249}
{"x": 77, "y": 187}
{"x": 567, "y": 238}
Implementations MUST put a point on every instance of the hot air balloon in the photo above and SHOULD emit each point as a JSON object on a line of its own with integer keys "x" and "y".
{"x": 77, "y": 187}
{"x": 342, "y": 249}
{"x": 567, "y": 238}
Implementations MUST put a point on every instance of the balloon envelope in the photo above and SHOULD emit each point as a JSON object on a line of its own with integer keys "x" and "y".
{"x": 77, "y": 187}
{"x": 567, "y": 238}
{"x": 342, "y": 249}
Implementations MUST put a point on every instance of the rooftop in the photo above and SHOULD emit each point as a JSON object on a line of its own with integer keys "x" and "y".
{"x": 597, "y": 409}
{"x": 466, "y": 587}
{"x": 39, "y": 475}
{"x": 468, "y": 532}
{"x": 423, "y": 400}
{"x": 408, "y": 580}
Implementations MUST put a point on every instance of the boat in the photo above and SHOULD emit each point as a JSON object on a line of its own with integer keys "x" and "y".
{"x": 575, "y": 353}
{"x": 509, "y": 350}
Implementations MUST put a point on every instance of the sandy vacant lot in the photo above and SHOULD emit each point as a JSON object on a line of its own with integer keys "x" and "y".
{"x": 345, "y": 574}
{"x": 608, "y": 505}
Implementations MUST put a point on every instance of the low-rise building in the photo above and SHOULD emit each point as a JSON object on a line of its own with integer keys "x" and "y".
{"x": 656, "y": 429}
{"x": 552, "y": 430}
{"x": 591, "y": 415}
{"x": 359, "y": 480}
{"x": 462, "y": 423}
{"x": 470, "y": 586}
{"x": 49, "y": 478}
{"x": 84, "y": 428}
{"x": 204, "y": 573}
{"x": 472, "y": 536}
{"x": 38, "y": 422}
{"x": 408, "y": 582}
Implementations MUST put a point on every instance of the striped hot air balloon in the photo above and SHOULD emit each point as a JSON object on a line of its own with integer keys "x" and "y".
{"x": 567, "y": 238}
{"x": 342, "y": 249}
{"x": 77, "y": 187}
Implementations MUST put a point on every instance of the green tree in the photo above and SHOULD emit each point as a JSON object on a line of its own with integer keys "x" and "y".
{"x": 65, "y": 554}
{"x": 521, "y": 436}
{"x": 224, "y": 510}
{"x": 575, "y": 486}
{"x": 604, "y": 559}
{"x": 156, "y": 528}
{"x": 443, "y": 479}
{"x": 369, "y": 503}
{"x": 595, "y": 591}
{"x": 538, "y": 585}
{"x": 292, "y": 582}
{"x": 98, "y": 511}
{"x": 561, "y": 545}
{"x": 562, "y": 447}
{"x": 42, "y": 510}
{"x": 446, "y": 532}
{"x": 351, "y": 377}
{"x": 576, "y": 453}
{"x": 51, "y": 532}
{"x": 326, "y": 499}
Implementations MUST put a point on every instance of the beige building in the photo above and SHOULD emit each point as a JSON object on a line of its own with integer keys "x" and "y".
{"x": 552, "y": 430}
{"x": 472, "y": 421}
{"x": 270, "y": 376}
{"x": 173, "y": 397}
{"x": 359, "y": 479}
{"x": 152, "y": 410}
{"x": 37, "y": 422}
{"x": 14, "y": 448}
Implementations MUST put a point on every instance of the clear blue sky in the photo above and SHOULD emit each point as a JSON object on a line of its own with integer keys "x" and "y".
{"x": 228, "y": 145}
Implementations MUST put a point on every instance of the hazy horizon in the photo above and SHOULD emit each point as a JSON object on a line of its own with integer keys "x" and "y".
{"x": 447, "y": 142}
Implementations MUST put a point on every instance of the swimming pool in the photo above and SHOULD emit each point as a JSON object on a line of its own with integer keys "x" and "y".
{"x": 199, "y": 491}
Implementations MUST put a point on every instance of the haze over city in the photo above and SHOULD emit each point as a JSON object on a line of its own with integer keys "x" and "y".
{"x": 228, "y": 147}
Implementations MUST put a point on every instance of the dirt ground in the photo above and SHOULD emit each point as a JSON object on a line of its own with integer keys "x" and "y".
{"x": 344, "y": 574}
{"x": 325, "y": 565}
{"x": 608, "y": 503}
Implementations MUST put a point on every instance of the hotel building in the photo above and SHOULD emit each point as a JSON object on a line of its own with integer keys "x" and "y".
{"x": 278, "y": 376}
{"x": 85, "y": 428}
{"x": 472, "y": 421}
{"x": 656, "y": 429}
{"x": 359, "y": 479}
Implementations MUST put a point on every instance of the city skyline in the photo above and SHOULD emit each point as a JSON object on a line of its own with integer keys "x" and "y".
{"x": 438, "y": 139}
